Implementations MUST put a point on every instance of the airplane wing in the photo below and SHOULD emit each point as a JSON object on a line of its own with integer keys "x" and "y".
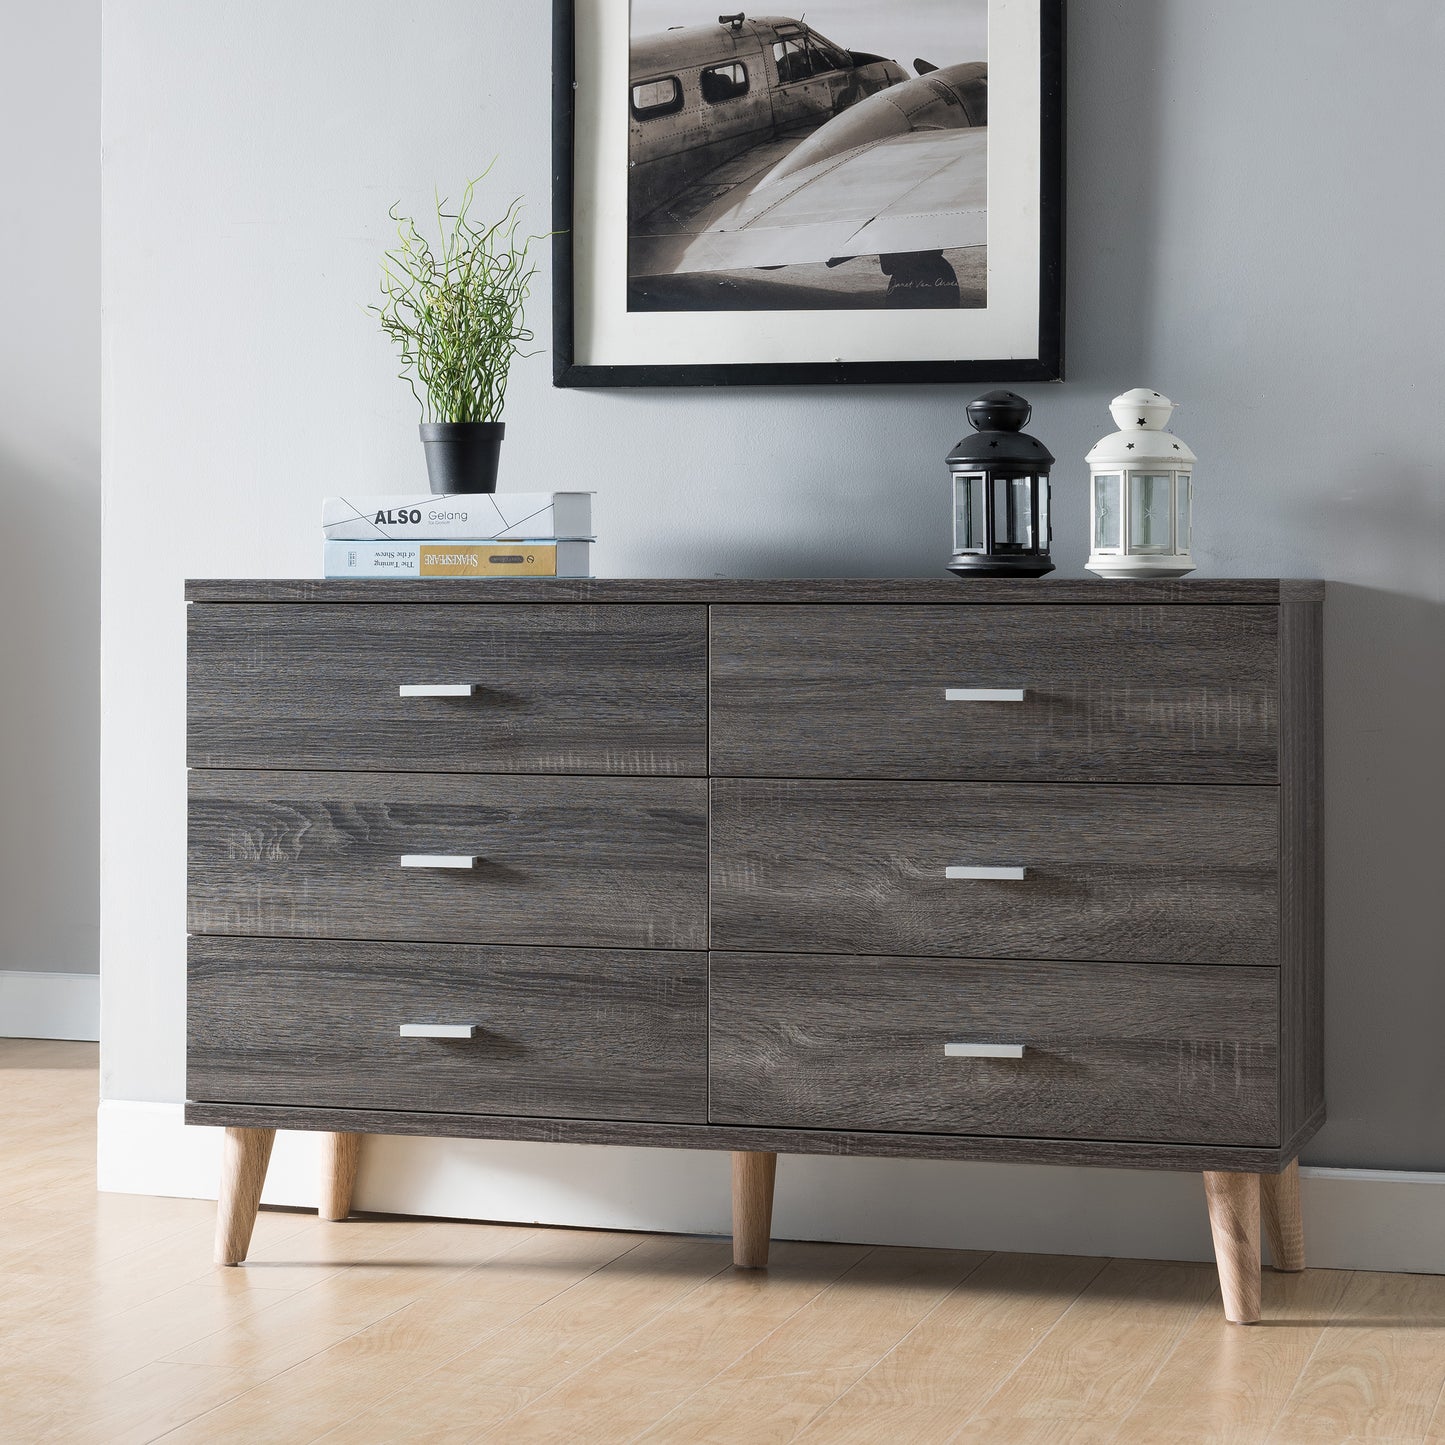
{"x": 902, "y": 171}
{"x": 923, "y": 190}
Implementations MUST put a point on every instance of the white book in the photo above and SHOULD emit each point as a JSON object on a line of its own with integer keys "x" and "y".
{"x": 473, "y": 517}
{"x": 457, "y": 559}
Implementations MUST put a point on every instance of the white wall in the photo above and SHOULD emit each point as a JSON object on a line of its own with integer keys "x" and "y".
{"x": 1254, "y": 227}
{"x": 49, "y": 504}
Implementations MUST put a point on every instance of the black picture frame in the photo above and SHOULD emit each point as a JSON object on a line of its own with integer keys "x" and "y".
{"x": 1047, "y": 365}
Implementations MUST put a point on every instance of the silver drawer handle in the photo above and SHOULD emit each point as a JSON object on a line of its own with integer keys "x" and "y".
{"x": 449, "y": 689}
{"x": 983, "y": 1051}
{"x": 439, "y": 1031}
{"x": 985, "y": 694}
{"x": 998, "y": 875}
{"x": 439, "y": 860}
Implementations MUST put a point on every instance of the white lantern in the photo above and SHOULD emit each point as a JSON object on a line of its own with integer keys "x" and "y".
{"x": 1141, "y": 492}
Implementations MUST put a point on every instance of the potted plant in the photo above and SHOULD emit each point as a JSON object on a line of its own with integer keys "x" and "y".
{"x": 457, "y": 316}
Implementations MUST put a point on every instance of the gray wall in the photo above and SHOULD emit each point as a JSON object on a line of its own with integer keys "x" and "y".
{"x": 1254, "y": 227}
{"x": 49, "y": 485}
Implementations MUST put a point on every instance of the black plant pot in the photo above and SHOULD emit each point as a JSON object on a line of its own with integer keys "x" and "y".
{"x": 462, "y": 456}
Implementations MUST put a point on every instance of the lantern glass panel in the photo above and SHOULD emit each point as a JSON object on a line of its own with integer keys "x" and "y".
{"x": 1151, "y": 512}
{"x": 970, "y": 532}
{"x": 1013, "y": 513}
{"x": 1023, "y": 512}
{"x": 1108, "y": 513}
{"x": 1186, "y": 496}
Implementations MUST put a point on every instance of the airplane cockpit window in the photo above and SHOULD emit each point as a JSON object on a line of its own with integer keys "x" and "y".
{"x": 794, "y": 62}
{"x": 657, "y": 97}
{"x": 826, "y": 55}
{"x": 724, "y": 82}
{"x": 800, "y": 57}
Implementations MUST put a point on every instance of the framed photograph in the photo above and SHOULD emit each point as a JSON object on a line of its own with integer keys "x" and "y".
{"x": 871, "y": 191}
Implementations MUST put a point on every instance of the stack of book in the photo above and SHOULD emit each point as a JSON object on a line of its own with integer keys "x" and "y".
{"x": 502, "y": 534}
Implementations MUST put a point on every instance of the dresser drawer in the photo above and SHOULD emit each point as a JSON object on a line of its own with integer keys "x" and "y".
{"x": 592, "y": 862}
{"x": 1109, "y": 1051}
{"x": 1145, "y": 874}
{"x": 556, "y": 1033}
{"x": 1110, "y": 694}
{"x": 568, "y": 689}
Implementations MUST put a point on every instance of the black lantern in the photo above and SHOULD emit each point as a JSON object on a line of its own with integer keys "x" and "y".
{"x": 1000, "y": 493}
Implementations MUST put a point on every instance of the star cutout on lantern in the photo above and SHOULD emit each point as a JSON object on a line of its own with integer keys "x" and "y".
{"x": 1130, "y": 447}
{"x": 1176, "y": 446}
{"x": 1142, "y": 420}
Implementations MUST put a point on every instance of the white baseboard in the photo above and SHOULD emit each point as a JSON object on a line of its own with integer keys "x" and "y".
{"x": 49, "y": 1006}
{"x": 1354, "y": 1218}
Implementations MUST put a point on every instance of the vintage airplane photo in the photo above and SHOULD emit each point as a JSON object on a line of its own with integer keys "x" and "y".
{"x": 790, "y": 164}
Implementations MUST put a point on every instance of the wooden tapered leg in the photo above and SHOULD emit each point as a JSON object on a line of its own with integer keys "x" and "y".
{"x": 753, "y": 1176}
{"x": 245, "y": 1153}
{"x": 1234, "y": 1221}
{"x": 1283, "y": 1226}
{"x": 340, "y": 1157}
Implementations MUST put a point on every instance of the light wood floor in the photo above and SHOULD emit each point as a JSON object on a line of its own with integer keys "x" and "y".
{"x": 114, "y": 1326}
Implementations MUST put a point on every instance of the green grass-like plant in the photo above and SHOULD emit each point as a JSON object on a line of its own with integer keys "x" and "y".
{"x": 457, "y": 313}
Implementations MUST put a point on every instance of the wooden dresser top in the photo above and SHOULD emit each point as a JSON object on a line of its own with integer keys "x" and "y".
{"x": 917, "y": 591}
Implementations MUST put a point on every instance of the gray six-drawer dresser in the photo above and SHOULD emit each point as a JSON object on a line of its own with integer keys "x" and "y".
{"x": 992, "y": 870}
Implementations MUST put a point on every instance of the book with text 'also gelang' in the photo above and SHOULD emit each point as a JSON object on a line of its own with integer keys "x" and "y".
{"x": 472, "y": 517}
{"x": 457, "y": 559}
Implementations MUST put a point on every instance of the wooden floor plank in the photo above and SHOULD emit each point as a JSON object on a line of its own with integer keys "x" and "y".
{"x": 505, "y": 1279}
{"x": 649, "y": 1373}
{"x": 1223, "y": 1383}
{"x": 517, "y": 1364}
{"x": 393, "y": 1263}
{"x": 72, "y": 1056}
{"x": 98, "y": 1227}
{"x": 1379, "y": 1370}
{"x": 1080, "y": 1381}
{"x": 50, "y": 1293}
{"x": 1436, "y": 1430}
{"x": 786, "y": 1380}
{"x": 100, "y": 1352}
{"x": 135, "y": 1410}
{"x": 958, "y": 1356}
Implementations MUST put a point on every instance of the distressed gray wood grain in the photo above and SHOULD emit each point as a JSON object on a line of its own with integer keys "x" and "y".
{"x": 1113, "y": 1051}
{"x": 1102, "y": 1153}
{"x": 1301, "y": 880}
{"x": 560, "y": 1032}
{"x": 1144, "y": 874}
{"x": 941, "y": 591}
{"x": 559, "y": 689}
{"x": 591, "y": 862}
{"x": 1115, "y": 694}
{"x": 1294, "y": 1142}
{"x": 1204, "y": 876}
